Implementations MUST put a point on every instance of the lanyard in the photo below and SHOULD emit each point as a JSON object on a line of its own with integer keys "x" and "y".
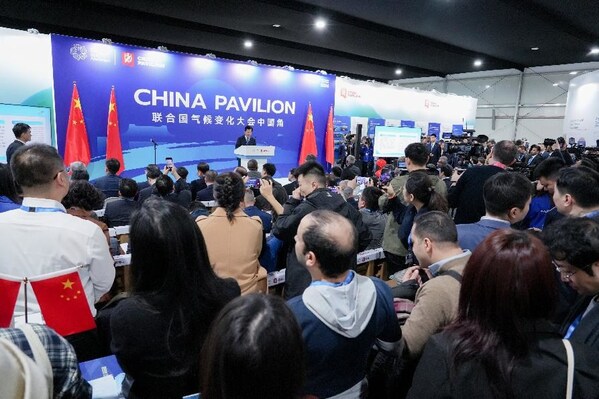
{"x": 347, "y": 280}
{"x": 573, "y": 327}
{"x": 39, "y": 209}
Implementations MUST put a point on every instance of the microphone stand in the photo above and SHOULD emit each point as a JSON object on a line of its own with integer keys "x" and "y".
{"x": 155, "y": 147}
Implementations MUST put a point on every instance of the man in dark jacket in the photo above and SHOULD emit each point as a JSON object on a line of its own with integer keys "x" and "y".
{"x": 109, "y": 184}
{"x": 312, "y": 186}
{"x": 22, "y": 132}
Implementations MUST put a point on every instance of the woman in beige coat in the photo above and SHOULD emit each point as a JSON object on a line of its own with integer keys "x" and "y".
{"x": 234, "y": 240}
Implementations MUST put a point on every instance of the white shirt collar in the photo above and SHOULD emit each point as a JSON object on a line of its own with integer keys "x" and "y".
{"x": 42, "y": 203}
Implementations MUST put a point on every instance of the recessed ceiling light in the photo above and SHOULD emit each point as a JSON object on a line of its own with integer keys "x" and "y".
{"x": 478, "y": 63}
{"x": 276, "y": 25}
{"x": 555, "y": 84}
{"x": 398, "y": 71}
{"x": 320, "y": 24}
{"x": 248, "y": 44}
{"x": 487, "y": 86}
{"x": 534, "y": 48}
{"x": 594, "y": 51}
{"x": 573, "y": 73}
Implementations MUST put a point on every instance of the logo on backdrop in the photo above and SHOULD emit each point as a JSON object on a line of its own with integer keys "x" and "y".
{"x": 79, "y": 52}
{"x": 128, "y": 59}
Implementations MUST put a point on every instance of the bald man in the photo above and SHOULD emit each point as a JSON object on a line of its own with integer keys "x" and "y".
{"x": 342, "y": 314}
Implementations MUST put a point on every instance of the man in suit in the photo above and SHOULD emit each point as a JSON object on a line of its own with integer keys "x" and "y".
{"x": 246, "y": 139}
{"x": 507, "y": 199}
{"x": 109, "y": 184}
{"x": 534, "y": 157}
{"x": 466, "y": 191}
{"x": 22, "y": 132}
{"x": 152, "y": 173}
{"x": 433, "y": 149}
{"x": 207, "y": 194}
{"x": 199, "y": 184}
{"x": 118, "y": 213}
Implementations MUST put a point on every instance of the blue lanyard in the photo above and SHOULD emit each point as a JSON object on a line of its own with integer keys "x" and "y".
{"x": 592, "y": 214}
{"x": 39, "y": 209}
{"x": 347, "y": 280}
{"x": 573, "y": 327}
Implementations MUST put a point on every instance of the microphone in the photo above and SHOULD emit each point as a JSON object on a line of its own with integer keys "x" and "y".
{"x": 153, "y": 142}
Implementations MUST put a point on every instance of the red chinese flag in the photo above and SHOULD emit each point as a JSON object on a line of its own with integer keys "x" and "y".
{"x": 329, "y": 141}
{"x": 76, "y": 144}
{"x": 113, "y": 134}
{"x": 9, "y": 290}
{"x": 309, "y": 139}
{"x": 63, "y": 303}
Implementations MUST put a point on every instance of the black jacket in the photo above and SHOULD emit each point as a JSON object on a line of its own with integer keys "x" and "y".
{"x": 297, "y": 278}
{"x": 108, "y": 184}
{"x": 587, "y": 331}
{"x": 15, "y": 145}
{"x": 118, "y": 213}
{"x": 241, "y": 141}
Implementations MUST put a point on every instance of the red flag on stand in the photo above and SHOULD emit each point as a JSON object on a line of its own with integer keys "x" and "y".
{"x": 113, "y": 134}
{"x": 329, "y": 141}
{"x": 76, "y": 144}
{"x": 63, "y": 302}
{"x": 309, "y": 138}
{"x": 9, "y": 290}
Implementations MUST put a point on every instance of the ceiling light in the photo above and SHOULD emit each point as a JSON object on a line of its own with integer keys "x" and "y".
{"x": 555, "y": 84}
{"x": 248, "y": 44}
{"x": 34, "y": 31}
{"x": 534, "y": 48}
{"x": 162, "y": 48}
{"x": 320, "y": 24}
{"x": 106, "y": 40}
{"x": 594, "y": 51}
{"x": 573, "y": 73}
{"x": 289, "y": 68}
{"x": 210, "y": 55}
{"x": 276, "y": 25}
{"x": 487, "y": 87}
{"x": 252, "y": 62}
{"x": 478, "y": 63}
{"x": 398, "y": 71}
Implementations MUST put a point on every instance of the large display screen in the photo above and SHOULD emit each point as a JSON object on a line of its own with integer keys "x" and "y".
{"x": 392, "y": 141}
{"x": 36, "y": 117}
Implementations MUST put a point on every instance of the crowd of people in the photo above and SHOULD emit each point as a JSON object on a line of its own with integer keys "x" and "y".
{"x": 492, "y": 286}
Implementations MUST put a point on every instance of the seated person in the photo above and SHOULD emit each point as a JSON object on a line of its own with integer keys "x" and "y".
{"x": 372, "y": 217}
{"x": 207, "y": 194}
{"x": 250, "y": 209}
{"x": 118, "y": 213}
{"x": 81, "y": 200}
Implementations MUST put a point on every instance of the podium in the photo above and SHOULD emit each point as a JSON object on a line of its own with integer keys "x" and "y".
{"x": 260, "y": 153}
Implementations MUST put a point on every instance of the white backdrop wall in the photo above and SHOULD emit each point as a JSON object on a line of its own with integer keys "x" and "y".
{"x": 513, "y": 104}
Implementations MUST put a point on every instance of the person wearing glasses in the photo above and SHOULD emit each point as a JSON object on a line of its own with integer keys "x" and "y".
{"x": 574, "y": 246}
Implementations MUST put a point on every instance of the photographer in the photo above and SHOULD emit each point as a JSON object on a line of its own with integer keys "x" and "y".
{"x": 560, "y": 150}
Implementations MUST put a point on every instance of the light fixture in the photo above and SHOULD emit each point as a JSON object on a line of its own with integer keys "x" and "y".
{"x": 398, "y": 71}
{"x": 574, "y": 73}
{"x": 487, "y": 86}
{"x": 555, "y": 84}
{"x": 248, "y": 44}
{"x": 276, "y": 25}
{"x": 252, "y": 62}
{"x": 478, "y": 63}
{"x": 320, "y": 24}
{"x": 162, "y": 48}
{"x": 106, "y": 40}
{"x": 534, "y": 48}
{"x": 594, "y": 51}
{"x": 320, "y": 71}
{"x": 210, "y": 55}
{"x": 33, "y": 31}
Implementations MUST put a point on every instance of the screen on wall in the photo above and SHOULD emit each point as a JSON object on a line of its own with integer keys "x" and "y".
{"x": 36, "y": 117}
{"x": 392, "y": 141}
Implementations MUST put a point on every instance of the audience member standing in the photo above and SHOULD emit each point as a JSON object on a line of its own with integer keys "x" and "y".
{"x": 547, "y": 173}
{"x": 372, "y": 217}
{"x": 118, "y": 213}
{"x": 22, "y": 132}
{"x": 466, "y": 192}
{"x": 434, "y": 149}
{"x": 351, "y": 170}
{"x": 199, "y": 184}
{"x": 207, "y": 194}
{"x": 234, "y": 239}
{"x": 153, "y": 172}
{"x": 576, "y": 192}
{"x": 109, "y": 184}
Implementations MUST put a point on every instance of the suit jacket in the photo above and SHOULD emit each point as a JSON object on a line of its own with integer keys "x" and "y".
{"x": 15, "y": 145}
{"x": 108, "y": 184}
{"x": 118, "y": 213}
{"x": 564, "y": 156}
{"x": 145, "y": 194}
{"x": 241, "y": 141}
{"x": 234, "y": 248}
{"x": 434, "y": 151}
{"x": 206, "y": 194}
{"x": 472, "y": 234}
{"x": 587, "y": 331}
{"x": 197, "y": 185}
{"x": 534, "y": 160}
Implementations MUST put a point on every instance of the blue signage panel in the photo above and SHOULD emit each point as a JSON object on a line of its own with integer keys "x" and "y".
{"x": 434, "y": 128}
{"x": 408, "y": 123}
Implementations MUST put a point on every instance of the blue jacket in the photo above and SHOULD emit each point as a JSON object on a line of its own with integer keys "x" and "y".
{"x": 6, "y": 204}
{"x": 472, "y": 234}
{"x": 265, "y": 217}
{"x": 108, "y": 184}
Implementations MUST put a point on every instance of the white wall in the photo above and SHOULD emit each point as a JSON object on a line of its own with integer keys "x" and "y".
{"x": 541, "y": 105}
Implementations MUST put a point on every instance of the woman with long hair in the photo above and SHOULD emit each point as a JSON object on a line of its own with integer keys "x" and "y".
{"x": 9, "y": 199}
{"x": 157, "y": 333}
{"x": 234, "y": 239}
{"x": 502, "y": 345}
{"x": 255, "y": 350}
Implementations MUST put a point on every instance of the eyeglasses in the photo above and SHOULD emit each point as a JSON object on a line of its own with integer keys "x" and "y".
{"x": 568, "y": 275}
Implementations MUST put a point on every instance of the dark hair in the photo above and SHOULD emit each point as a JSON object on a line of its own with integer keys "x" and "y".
{"x": 334, "y": 259}
{"x": 229, "y": 191}
{"x": 417, "y": 153}
{"x": 504, "y": 191}
{"x": 310, "y": 157}
{"x": 113, "y": 165}
{"x": 128, "y": 188}
{"x": 169, "y": 260}
{"x": 255, "y": 350}
{"x": 269, "y": 168}
{"x": 437, "y": 226}
{"x": 589, "y": 163}
{"x": 277, "y": 190}
{"x": 80, "y": 175}
{"x": 534, "y": 146}
{"x": 203, "y": 167}
{"x": 164, "y": 185}
{"x": 314, "y": 169}
{"x": 370, "y": 196}
{"x": 7, "y": 184}
{"x": 582, "y": 183}
{"x": 20, "y": 128}
{"x": 252, "y": 164}
{"x": 421, "y": 186}
{"x": 507, "y": 284}
{"x": 182, "y": 172}
{"x": 248, "y": 127}
{"x": 336, "y": 170}
{"x": 241, "y": 171}
{"x": 210, "y": 176}
{"x": 447, "y": 170}
{"x": 505, "y": 152}
{"x": 35, "y": 165}
{"x": 575, "y": 240}
{"x": 549, "y": 168}
{"x": 82, "y": 194}
{"x": 153, "y": 171}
